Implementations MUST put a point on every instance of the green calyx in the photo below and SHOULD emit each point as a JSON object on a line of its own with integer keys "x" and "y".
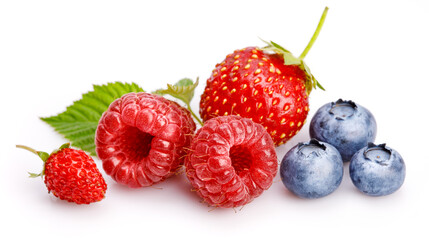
{"x": 289, "y": 59}
{"x": 43, "y": 156}
{"x": 183, "y": 90}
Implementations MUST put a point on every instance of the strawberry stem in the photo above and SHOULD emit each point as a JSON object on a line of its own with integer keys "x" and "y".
{"x": 27, "y": 148}
{"x": 315, "y": 34}
{"x": 43, "y": 155}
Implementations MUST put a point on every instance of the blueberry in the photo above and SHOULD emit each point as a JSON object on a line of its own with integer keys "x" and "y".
{"x": 377, "y": 170}
{"x": 345, "y": 125}
{"x": 312, "y": 169}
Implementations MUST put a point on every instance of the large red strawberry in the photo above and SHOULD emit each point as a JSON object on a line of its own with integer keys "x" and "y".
{"x": 142, "y": 138}
{"x": 268, "y": 85}
{"x": 71, "y": 175}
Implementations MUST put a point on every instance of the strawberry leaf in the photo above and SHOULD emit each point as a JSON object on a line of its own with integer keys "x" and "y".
{"x": 79, "y": 121}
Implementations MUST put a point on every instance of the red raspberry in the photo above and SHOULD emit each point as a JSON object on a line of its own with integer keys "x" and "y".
{"x": 71, "y": 175}
{"x": 142, "y": 138}
{"x": 232, "y": 160}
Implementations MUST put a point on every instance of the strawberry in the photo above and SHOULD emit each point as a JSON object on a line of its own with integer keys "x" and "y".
{"x": 268, "y": 85}
{"x": 71, "y": 175}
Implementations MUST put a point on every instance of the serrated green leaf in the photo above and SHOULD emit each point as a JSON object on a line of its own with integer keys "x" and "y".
{"x": 79, "y": 121}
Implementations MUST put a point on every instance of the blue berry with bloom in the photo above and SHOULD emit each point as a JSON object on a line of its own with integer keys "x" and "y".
{"x": 345, "y": 125}
{"x": 312, "y": 169}
{"x": 377, "y": 170}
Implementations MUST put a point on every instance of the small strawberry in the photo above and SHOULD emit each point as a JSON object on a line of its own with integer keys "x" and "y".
{"x": 71, "y": 175}
{"x": 268, "y": 85}
{"x": 142, "y": 138}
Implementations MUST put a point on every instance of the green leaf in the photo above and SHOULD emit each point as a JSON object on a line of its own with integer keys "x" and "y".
{"x": 183, "y": 90}
{"x": 79, "y": 121}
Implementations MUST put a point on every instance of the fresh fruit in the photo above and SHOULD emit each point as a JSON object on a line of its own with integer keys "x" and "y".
{"x": 377, "y": 170}
{"x": 142, "y": 138}
{"x": 270, "y": 86}
{"x": 345, "y": 125}
{"x": 312, "y": 169}
{"x": 71, "y": 175}
{"x": 79, "y": 122}
{"x": 231, "y": 161}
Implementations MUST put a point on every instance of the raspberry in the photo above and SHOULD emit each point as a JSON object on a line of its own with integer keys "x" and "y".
{"x": 71, "y": 175}
{"x": 231, "y": 161}
{"x": 142, "y": 138}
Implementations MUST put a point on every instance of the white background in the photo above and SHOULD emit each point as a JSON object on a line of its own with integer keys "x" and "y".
{"x": 372, "y": 52}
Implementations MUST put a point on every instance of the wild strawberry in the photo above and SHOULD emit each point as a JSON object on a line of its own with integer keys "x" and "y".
{"x": 71, "y": 175}
{"x": 231, "y": 161}
{"x": 268, "y": 85}
{"x": 142, "y": 138}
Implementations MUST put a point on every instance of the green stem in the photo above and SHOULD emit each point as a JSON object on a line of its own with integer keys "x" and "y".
{"x": 315, "y": 34}
{"x": 28, "y": 149}
{"x": 43, "y": 155}
{"x": 193, "y": 114}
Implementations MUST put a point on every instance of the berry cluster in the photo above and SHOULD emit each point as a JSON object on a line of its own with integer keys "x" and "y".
{"x": 254, "y": 100}
{"x": 342, "y": 131}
